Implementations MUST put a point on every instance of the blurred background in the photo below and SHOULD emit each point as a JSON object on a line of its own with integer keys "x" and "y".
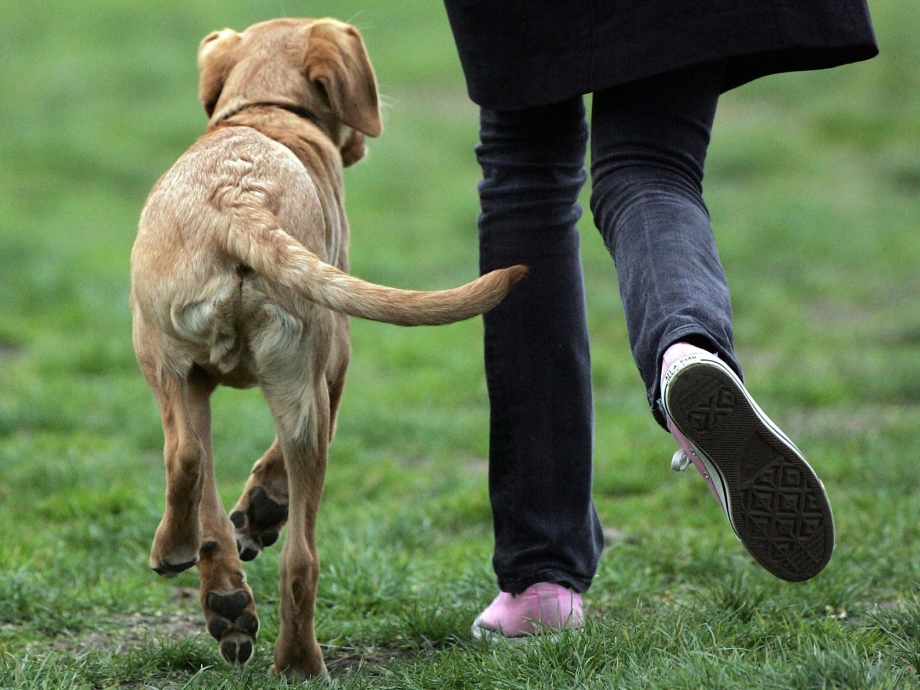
{"x": 813, "y": 183}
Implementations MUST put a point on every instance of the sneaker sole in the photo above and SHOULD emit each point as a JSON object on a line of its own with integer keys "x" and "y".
{"x": 495, "y": 637}
{"x": 775, "y": 502}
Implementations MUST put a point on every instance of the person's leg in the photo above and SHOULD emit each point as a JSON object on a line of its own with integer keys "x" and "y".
{"x": 536, "y": 349}
{"x": 649, "y": 143}
{"x": 648, "y": 146}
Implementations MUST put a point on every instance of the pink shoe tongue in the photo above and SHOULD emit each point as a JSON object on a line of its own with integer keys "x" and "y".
{"x": 675, "y": 352}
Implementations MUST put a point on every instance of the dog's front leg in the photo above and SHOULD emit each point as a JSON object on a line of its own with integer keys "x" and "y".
{"x": 304, "y": 438}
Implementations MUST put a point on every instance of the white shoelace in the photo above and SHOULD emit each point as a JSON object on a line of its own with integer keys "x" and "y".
{"x": 680, "y": 460}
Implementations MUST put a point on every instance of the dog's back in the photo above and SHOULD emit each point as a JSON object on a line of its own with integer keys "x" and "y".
{"x": 203, "y": 302}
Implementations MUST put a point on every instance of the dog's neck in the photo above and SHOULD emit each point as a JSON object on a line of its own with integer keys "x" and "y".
{"x": 290, "y": 125}
{"x": 299, "y": 111}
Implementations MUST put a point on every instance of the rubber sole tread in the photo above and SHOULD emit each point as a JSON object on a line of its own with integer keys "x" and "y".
{"x": 779, "y": 509}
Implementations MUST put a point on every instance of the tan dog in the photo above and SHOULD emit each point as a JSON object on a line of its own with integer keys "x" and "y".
{"x": 239, "y": 278}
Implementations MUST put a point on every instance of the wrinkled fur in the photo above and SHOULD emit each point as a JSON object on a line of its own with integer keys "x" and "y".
{"x": 239, "y": 278}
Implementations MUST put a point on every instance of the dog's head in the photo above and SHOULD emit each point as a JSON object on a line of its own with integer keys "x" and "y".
{"x": 318, "y": 65}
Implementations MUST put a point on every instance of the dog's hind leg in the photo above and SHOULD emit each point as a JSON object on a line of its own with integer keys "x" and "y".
{"x": 304, "y": 437}
{"x": 262, "y": 509}
{"x": 186, "y": 416}
{"x": 195, "y": 528}
{"x": 226, "y": 599}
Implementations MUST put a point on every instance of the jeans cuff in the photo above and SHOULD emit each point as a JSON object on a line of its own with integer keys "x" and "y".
{"x": 517, "y": 584}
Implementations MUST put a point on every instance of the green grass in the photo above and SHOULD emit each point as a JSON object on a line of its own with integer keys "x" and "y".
{"x": 814, "y": 187}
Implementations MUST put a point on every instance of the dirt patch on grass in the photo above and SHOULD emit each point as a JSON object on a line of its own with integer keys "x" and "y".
{"x": 116, "y": 634}
{"x": 342, "y": 661}
{"x": 10, "y": 350}
{"x": 119, "y": 633}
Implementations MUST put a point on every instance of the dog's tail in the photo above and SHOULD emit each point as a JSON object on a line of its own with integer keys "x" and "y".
{"x": 276, "y": 255}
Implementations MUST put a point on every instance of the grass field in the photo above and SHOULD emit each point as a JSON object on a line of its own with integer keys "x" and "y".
{"x": 814, "y": 187}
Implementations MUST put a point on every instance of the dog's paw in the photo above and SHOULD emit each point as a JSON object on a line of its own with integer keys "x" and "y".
{"x": 164, "y": 568}
{"x": 169, "y": 557}
{"x": 301, "y": 663}
{"x": 232, "y": 621}
{"x": 258, "y": 523}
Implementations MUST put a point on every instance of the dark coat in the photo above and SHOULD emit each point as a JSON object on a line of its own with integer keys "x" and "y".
{"x": 521, "y": 53}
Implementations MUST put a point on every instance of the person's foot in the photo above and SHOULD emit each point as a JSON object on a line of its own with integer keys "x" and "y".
{"x": 773, "y": 499}
{"x": 541, "y": 608}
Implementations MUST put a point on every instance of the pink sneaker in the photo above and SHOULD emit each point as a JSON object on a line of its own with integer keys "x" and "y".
{"x": 773, "y": 499}
{"x": 543, "y": 607}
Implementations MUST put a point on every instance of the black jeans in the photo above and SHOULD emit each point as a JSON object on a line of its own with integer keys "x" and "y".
{"x": 648, "y": 145}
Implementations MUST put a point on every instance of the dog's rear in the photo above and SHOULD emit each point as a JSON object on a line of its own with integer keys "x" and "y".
{"x": 213, "y": 251}
{"x": 240, "y": 277}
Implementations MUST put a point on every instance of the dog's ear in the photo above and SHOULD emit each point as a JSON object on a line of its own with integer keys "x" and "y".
{"x": 216, "y": 57}
{"x": 337, "y": 62}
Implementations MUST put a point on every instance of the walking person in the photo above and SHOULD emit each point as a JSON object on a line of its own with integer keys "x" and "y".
{"x": 656, "y": 70}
